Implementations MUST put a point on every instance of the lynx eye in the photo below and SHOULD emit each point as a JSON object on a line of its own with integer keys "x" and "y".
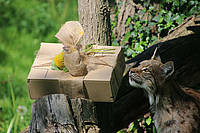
{"x": 145, "y": 69}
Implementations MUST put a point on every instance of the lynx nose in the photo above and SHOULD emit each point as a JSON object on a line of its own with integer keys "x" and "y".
{"x": 131, "y": 73}
{"x": 135, "y": 77}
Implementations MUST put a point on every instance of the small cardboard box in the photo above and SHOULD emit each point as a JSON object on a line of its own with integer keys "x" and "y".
{"x": 101, "y": 84}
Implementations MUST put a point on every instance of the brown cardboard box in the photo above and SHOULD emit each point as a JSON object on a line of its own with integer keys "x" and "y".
{"x": 100, "y": 84}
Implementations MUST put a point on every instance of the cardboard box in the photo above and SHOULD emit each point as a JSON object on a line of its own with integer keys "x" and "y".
{"x": 101, "y": 84}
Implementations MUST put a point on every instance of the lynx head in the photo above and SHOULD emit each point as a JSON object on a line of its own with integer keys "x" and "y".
{"x": 150, "y": 75}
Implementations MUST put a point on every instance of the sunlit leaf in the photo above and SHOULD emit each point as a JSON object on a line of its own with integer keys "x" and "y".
{"x": 126, "y": 37}
{"x": 148, "y": 120}
{"x": 128, "y": 21}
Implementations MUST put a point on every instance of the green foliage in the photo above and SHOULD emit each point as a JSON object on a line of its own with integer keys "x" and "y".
{"x": 23, "y": 26}
{"x": 38, "y": 16}
{"x": 152, "y": 23}
{"x": 142, "y": 125}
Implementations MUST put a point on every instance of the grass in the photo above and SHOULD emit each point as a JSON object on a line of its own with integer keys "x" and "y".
{"x": 20, "y": 38}
{"x": 17, "y": 55}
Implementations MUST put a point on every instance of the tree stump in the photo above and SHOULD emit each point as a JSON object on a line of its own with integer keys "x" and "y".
{"x": 59, "y": 113}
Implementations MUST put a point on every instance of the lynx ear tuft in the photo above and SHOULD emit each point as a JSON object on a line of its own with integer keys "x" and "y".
{"x": 154, "y": 53}
{"x": 154, "y": 57}
{"x": 168, "y": 69}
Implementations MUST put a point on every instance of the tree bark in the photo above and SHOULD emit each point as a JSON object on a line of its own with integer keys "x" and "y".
{"x": 94, "y": 16}
{"x": 59, "y": 113}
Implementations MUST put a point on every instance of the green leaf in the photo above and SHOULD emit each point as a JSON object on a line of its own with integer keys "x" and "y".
{"x": 176, "y": 3}
{"x": 134, "y": 34}
{"x": 151, "y": 8}
{"x": 141, "y": 35}
{"x": 128, "y": 21}
{"x": 138, "y": 24}
{"x": 156, "y": 18}
{"x": 129, "y": 52}
{"x": 154, "y": 39}
{"x": 133, "y": 54}
{"x": 65, "y": 69}
{"x": 126, "y": 37}
{"x": 131, "y": 127}
{"x": 53, "y": 66}
{"x": 148, "y": 121}
{"x": 115, "y": 43}
{"x": 138, "y": 48}
{"x": 141, "y": 12}
{"x": 121, "y": 131}
{"x": 130, "y": 26}
{"x": 168, "y": 16}
{"x": 161, "y": 19}
{"x": 154, "y": 129}
{"x": 151, "y": 24}
{"x": 162, "y": 11}
{"x": 191, "y": 2}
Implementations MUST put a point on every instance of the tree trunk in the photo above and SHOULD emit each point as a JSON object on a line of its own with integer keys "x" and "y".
{"x": 94, "y": 16}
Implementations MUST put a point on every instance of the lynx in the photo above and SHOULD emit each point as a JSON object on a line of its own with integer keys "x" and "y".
{"x": 172, "y": 109}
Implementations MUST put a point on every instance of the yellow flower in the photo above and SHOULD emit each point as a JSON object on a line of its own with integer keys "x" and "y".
{"x": 59, "y": 60}
{"x": 81, "y": 33}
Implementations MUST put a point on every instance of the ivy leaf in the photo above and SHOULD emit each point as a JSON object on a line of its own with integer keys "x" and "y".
{"x": 115, "y": 43}
{"x": 129, "y": 52}
{"x": 168, "y": 16}
{"x": 191, "y": 2}
{"x": 176, "y": 3}
{"x": 126, "y": 37}
{"x": 53, "y": 66}
{"x": 168, "y": 1}
{"x": 179, "y": 18}
{"x": 151, "y": 8}
{"x": 138, "y": 47}
{"x": 65, "y": 69}
{"x": 156, "y": 18}
{"x": 128, "y": 21}
{"x": 141, "y": 12}
{"x": 147, "y": 30}
{"x": 131, "y": 127}
{"x": 154, "y": 39}
{"x": 121, "y": 131}
{"x": 184, "y": 1}
{"x": 130, "y": 26}
{"x": 134, "y": 34}
{"x": 148, "y": 121}
{"x": 151, "y": 24}
{"x": 133, "y": 54}
{"x": 162, "y": 11}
